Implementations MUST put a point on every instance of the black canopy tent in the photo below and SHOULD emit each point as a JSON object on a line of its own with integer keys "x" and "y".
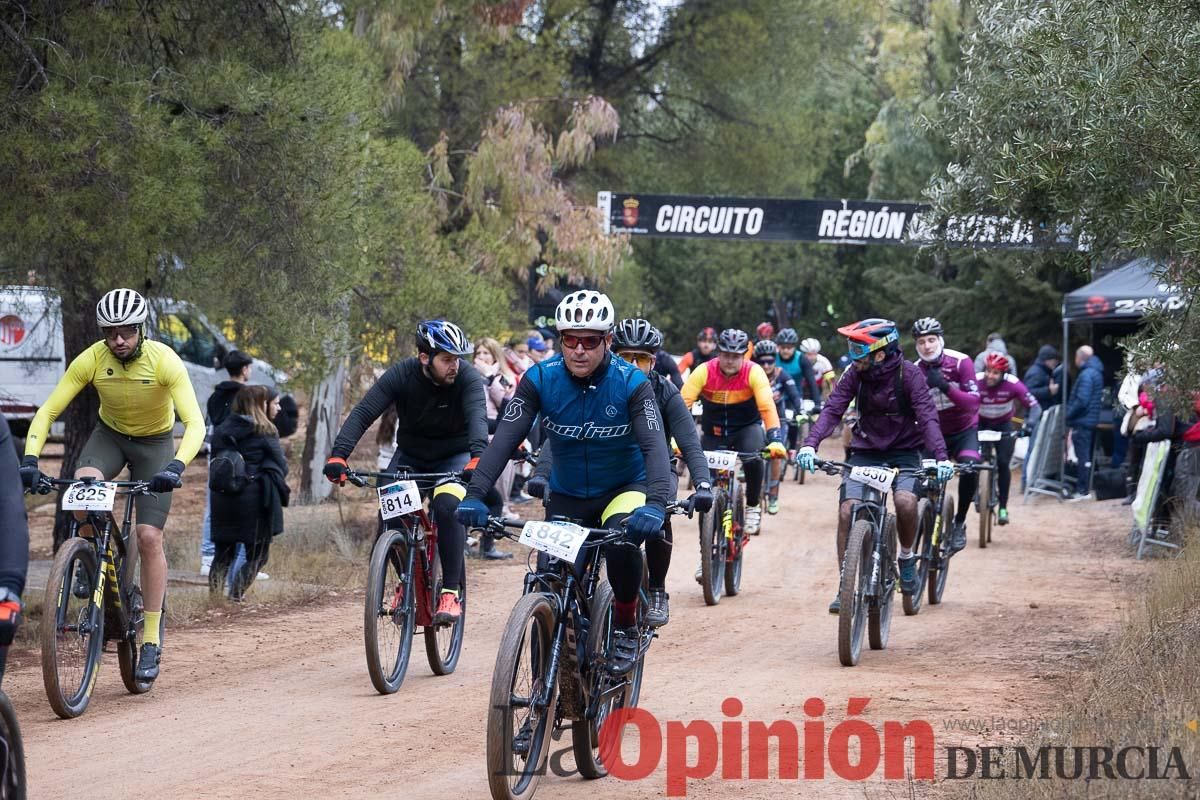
{"x": 1122, "y": 296}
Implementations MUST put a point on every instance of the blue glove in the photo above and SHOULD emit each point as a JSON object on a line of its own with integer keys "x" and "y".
{"x": 807, "y": 459}
{"x": 472, "y": 513}
{"x": 645, "y": 523}
{"x": 945, "y": 470}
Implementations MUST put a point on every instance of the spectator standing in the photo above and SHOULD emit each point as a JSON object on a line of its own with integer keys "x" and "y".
{"x": 1083, "y": 414}
{"x": 254, "y": 515}
{"x": 238, "y": 365}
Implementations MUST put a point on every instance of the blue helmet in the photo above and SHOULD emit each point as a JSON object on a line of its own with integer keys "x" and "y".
{"x": 438, "y": 335}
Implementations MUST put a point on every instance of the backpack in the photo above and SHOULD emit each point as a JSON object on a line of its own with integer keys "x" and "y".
{"x": 227, "y": 471}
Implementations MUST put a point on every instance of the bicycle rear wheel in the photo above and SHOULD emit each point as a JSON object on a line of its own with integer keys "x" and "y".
{"x": 389, "y": 614}
{"x": 856, "y": 572}
{"x": 737, "y": 547}
{"x": 443, "y": 643}
{"x": 73, "y": 631}
{"x": 518, "y": 729}
{"x": 939, "y": 570}
{"x": 713, "y": 545}
{"x": 128, "y": 648}
{"x": 12, "y": 753}
{"x": 984, "y": 506}
{"x": 879, "y": 616}
{"x": 592, "y": 748}
{"x": 923, "y": 548}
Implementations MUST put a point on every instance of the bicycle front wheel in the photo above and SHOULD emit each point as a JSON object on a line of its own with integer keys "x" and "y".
{"x": 737, "y": 546}
{"x": 73, "y": 631}
{"x": 939, "y": 571}
{"x": 985, "y": 510}
{"x": 389, "y": 615}
{"x": 518, "y": 725}
{"x": 856, "y": 573}
{"x": 879, "y": 617}
{"x": 443, "y": 643}
{"x": 923, "y": 548}
{"x": 713, "y": 545}
{"x": 593, "y": 749}
{"x": 12, "y": 753}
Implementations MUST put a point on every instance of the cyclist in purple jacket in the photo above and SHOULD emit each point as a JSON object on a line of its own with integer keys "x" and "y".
{"x": 897, "y": 419}
{"x": 999, "y": 394}
{"x": 951, "y": 378}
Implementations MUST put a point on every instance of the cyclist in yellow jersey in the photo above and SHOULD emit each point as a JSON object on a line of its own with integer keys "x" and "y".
{"x": 141, "y": 385}
{"x": 738, "y": 404}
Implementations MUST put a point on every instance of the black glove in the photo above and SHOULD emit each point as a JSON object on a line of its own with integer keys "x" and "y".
{"x": 168, "y": 480}
{"x": 336, "y": 470}
{"x": 536, "y": 486}
{"x": 31, "y": 476}
{"x": 10, "y": 617}
{"x": 469, "y": 470}
{"x": 701, "y": 499}
{"x": 937, "y": 380}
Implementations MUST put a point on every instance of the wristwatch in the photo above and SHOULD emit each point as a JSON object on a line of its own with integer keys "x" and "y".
{"x": 704, "y": 485}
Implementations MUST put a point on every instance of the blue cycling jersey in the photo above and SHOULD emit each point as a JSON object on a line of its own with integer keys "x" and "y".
{"x": 588, "y": 426}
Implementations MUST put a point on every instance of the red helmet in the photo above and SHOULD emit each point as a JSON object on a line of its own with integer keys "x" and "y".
{"x": 868, "y": 335}
{"x": 765, "y": 330}
{"x": 996, "y": 361}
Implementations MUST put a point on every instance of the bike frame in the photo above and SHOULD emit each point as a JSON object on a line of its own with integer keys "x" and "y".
{"x": 873, "y": 507}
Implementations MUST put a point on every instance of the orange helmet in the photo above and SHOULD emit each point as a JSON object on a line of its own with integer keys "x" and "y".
{"x": 869, "y": 335}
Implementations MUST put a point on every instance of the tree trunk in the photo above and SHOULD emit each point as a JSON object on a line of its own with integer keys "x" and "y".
{"x": 324, "y": 418}
{"x": 80, "y": 416}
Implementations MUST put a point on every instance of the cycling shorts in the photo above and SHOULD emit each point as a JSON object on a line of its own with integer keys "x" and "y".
{"x": 904, "y": 459}
{"x": 109, "y": 451}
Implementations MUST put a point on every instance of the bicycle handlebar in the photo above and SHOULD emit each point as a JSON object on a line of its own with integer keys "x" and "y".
{"x": 360, "y": 478}
{"x": 123, "y": 487}
{"x": 502, "y": 526}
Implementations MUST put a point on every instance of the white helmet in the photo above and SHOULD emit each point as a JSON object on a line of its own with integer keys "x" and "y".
{"x": 810, "y": 346}
{"x": 585, "y": 310}
{"x": 121, "y": 307}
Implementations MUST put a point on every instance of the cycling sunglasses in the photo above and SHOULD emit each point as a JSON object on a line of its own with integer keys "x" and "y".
{"x": 638, "y": 358}
{"x": 570, "y": 341}
{"x": 767, "y": 362}
{"x": 125, "y": 332}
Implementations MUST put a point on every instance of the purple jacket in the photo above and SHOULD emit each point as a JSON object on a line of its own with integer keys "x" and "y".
{"x": 881, "y": 426}
{"x": 998, "y": 404}
{"x": 958, "y": 409}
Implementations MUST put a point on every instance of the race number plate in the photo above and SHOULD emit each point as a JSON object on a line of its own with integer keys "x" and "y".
{"x": 990, "y": 436}
{"x": 559, "y": 539}
{"x": 721, "y": 460}
{"x": 875, "y": 477}
{"x": 399, "y": 498}
{"x": 89, "y": 497}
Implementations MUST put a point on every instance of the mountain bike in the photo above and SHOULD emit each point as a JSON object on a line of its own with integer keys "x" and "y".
{"x": 550, "y": 663}
{"x": 722, "y": 536}
{"x": 92, "y": 596}
{"x": 403, "y": 581}
{"x": 935, "y": 513}
{"x": 987, "y": 499}
{"x": 803, "y": 420}
{"x": 12, "y": 750}
{"x": 869, "y": 576}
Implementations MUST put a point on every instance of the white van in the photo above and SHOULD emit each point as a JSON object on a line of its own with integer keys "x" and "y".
{"x": 32, "y": 358}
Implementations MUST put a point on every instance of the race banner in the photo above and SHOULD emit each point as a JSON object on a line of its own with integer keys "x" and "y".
{"x": 823, "y": 221}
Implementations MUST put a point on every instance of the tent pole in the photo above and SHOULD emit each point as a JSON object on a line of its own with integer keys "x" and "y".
{"x": 1063, "y": 396}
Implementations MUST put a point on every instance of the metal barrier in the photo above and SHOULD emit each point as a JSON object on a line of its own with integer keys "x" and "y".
{"x": 1149, "y": 530}
{"x": 1044, "y": 473}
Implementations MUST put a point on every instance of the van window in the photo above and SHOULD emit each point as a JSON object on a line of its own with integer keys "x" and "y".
{"x": 188, "y": 337}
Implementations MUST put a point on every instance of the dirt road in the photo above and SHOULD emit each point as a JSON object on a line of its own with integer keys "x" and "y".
{"x": 282, "y": 707}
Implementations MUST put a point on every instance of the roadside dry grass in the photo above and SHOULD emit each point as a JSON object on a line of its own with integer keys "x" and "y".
{"x": 1142, "y": 692}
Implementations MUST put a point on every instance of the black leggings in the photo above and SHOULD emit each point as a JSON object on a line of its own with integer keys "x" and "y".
{"x": 658, "y": 558}
{"x": 1004, "y": 455}
{"x": 226, "y": 552}
{"x": 452, "y": 539}
{"x": 624, "y": 559}
{"x": 750, "y": 439}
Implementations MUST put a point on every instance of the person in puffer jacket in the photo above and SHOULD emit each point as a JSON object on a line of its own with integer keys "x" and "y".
{"x": 1083, "y": 414}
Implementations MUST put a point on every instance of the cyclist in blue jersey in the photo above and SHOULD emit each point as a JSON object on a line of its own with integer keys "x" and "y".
{"x": 800, "y": 369}
{"x": 611, "y": 464}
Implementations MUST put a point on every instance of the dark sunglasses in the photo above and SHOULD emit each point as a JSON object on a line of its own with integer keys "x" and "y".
{"x": 767, "y": 362}
{"x": 125, "y": 332}
{"x": 570, "y": 341}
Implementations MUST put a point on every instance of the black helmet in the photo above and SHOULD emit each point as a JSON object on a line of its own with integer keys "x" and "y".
{"x": 766, "y": 347}
{"x": 732, "y": 340}
{"x": 926, "y": 326}
{"x": 637, "y": 334}
{"x": 787, "y": 336}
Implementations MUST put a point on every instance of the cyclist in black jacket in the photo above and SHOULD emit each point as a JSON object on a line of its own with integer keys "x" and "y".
{"x": 14, "y": 537}
{"x": 442, "y": 428}
{"x": 637, "y": 341}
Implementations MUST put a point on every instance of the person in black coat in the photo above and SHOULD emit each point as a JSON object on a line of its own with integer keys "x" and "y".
{"x": 254, "y": 515}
